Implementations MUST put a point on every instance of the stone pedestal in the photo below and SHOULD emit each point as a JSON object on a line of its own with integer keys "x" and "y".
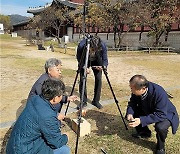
{"x": 85, "y": 127}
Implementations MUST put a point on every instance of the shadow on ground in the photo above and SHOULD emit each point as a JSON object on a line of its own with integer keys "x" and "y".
{"x": 7, "y": 135}
{"x": 21, "y": 108}
{"x": 108, "y": 124}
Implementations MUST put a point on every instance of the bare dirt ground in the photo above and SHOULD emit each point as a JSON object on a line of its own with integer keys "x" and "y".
{"x": 17, "y": 82}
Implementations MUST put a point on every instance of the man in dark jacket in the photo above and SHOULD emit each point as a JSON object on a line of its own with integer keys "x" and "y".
{"x": 96, "y": 60}
{"x": 37, "y": 128}
{"x": 52, "y": 71}
{"x": 149, "y": 104}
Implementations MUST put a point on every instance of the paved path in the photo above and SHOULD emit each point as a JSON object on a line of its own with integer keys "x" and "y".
{"x": 71, "y": 109}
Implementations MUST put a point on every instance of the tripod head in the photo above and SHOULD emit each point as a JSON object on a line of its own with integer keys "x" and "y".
{"x": 88, "y": 36}
{"x": 95, "y": 41}
{"x": 97, "y": 52}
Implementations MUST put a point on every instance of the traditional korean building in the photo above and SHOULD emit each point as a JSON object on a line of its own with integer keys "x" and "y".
{"x": 130, "y": 39}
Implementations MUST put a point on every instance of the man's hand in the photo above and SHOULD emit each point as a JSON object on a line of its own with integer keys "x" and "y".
{"x": 99, "y": 68}
{"x": 88, "y": 71}
{"x": 135, "y": 122}
{"x": 61, "y": 116}
{"x": 83, "y": 112}
{"x": 130, "y": 117}
{"x": 72, "y": 98}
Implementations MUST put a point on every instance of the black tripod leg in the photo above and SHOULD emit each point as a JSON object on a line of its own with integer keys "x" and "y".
{"x": 80, "y": 114}
{"x": 116, "y": 101}
{"x": 82, "y": 94}
{"x": 75, "y": 80}
{"x": 80, "y": 110}
{"x": 78, "y": 131}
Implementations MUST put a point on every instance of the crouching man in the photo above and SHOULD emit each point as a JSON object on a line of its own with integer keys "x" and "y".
{"x": 149, "y": 104}
{"x": 37, "y": 130}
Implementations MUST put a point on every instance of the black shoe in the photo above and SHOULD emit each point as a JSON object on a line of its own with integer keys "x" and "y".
{"x": 141, "y": 135}
{"x": 97, "y": 104}
{"x": 83, "y": 105}
{"x": 161, "y": 151}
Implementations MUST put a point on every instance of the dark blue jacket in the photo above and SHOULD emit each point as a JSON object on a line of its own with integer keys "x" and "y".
{"x": 103, "y": 61}
{"x": 36, "y": 89}
{"x": 36, "y": 130}
{"x": 156, "y": 107}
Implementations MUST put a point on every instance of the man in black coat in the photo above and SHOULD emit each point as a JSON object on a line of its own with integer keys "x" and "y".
{"x": 149, "y": 104}
{"x": 96, "y": 60}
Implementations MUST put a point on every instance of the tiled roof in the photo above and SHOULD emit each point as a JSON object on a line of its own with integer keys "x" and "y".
{"x": 22, "y": 22}
{"x": 36, "y": 10}
{"x": 68, "y": 3}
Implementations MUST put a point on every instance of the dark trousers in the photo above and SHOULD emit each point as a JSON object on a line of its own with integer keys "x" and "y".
{"x": 81, "y": 86}
{"x": 161, "y": 129}
{"x": 97, "y": 85}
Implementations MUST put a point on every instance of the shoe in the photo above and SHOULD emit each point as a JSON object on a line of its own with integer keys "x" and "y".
{"x": 83, "y": 105}
{"x": 97, "y": 104}
{"x": 141, "y": 135}
{"x": 161, "y": 151}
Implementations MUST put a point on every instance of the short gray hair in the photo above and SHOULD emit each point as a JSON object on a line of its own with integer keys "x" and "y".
{"x": 52, "y": 62}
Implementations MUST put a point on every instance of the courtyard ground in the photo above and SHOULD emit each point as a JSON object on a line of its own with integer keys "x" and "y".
{"x": 21, "y": 65}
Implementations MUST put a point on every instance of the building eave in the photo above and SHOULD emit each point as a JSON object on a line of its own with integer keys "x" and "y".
{"x": 68, "y": 3}
{"x": 36, "y": 10}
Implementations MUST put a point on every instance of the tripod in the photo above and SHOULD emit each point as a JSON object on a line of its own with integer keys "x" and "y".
{"x": 84, "y": 66}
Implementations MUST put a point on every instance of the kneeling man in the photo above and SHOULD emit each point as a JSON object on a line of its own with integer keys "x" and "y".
{"x": 37, "y": 130}
{"x": 149, "y": 104}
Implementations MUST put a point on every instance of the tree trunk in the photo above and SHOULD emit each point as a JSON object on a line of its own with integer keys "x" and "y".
{"x": 58, "y": 35}
{"x": 157, "y": 37}
{"x": 168, "y": 29}
{"x": 119, "y": 39}
{"x": 115, "y": 30}
{"x": 120, "y": 31}
{"x": 166, "y": 36}
{"x": 59, "y": 41}
{"x": 97, "y": 31}
{"x": 140, "y": 35}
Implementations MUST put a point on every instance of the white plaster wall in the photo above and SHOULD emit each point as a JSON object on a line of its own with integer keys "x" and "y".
{"x": 174, "y": 39}
{"x": 26, "y": 33}
{"x": 131, "y": 39}
{"x": 70, "y": 33}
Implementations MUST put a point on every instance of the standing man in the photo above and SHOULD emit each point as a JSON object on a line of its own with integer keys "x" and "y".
{"x": 97, "y": 59}
{"x": 149, "y": 104}
{"x": 37, "y": 130}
